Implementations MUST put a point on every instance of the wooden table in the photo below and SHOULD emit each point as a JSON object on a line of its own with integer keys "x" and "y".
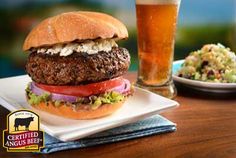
{"x": 206, "y": 127}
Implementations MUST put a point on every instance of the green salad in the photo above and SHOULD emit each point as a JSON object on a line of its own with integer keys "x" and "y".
{"x": 212, "y": 63}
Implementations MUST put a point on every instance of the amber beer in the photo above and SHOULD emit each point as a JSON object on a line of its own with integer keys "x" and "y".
{"x": 156, "y": 22}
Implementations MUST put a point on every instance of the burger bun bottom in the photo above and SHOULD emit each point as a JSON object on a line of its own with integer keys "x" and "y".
{"x": 81, "y": 114}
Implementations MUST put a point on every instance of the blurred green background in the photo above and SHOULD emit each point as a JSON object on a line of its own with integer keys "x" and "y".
{"x": 200, "y": 22}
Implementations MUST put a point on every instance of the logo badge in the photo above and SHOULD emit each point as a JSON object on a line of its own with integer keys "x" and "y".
{"x": 23, "y": 133}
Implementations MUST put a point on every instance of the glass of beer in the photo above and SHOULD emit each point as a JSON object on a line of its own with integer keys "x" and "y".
{"x": 156, "y": 24}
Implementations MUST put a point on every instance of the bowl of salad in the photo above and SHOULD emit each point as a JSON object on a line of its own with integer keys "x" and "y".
{"x": 211, "y": 68}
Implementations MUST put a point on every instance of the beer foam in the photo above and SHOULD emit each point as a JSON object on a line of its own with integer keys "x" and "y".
{"x": 149, "y": 2}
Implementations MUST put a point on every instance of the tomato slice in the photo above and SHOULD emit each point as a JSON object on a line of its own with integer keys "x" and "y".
{"x": 83, "y": 90}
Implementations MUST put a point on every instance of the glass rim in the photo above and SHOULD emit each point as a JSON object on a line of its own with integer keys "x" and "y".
{"x": 165, "y": 2}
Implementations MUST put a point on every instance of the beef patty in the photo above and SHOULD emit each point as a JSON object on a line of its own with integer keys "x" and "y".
{"x": 77, "y": 68}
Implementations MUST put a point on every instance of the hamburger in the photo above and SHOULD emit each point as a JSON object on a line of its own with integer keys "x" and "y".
{"x": 76, "y": 66}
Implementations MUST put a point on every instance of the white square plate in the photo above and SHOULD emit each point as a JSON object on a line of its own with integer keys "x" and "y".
{"x": 142, "y": 104}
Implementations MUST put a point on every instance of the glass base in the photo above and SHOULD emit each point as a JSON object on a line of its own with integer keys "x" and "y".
{"x": 167, "y": 90}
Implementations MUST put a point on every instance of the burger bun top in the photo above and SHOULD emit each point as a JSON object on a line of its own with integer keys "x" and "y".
{"x": 75, "y": 26}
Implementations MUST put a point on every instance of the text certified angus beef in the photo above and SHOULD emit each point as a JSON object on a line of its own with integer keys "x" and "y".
{"x": 76, "y": 65}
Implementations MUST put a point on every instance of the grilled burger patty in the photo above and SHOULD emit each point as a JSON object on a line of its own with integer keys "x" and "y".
{"x": 77, "y": 68}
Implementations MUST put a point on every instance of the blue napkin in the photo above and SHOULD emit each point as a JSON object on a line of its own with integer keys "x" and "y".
{"x": 150, "y": 126}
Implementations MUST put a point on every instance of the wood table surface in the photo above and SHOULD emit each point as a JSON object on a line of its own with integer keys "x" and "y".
{"x": 206, "y": 127}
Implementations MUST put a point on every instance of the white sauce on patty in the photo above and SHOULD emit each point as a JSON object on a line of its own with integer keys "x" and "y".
{"x": 89, "y": 47}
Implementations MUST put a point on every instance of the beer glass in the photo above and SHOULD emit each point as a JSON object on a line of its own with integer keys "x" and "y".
{"x": 156, "y": 25}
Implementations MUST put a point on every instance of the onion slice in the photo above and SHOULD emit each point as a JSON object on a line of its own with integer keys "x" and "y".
{"x": 54, "y": 96}
{"x": 125, "y": 87}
